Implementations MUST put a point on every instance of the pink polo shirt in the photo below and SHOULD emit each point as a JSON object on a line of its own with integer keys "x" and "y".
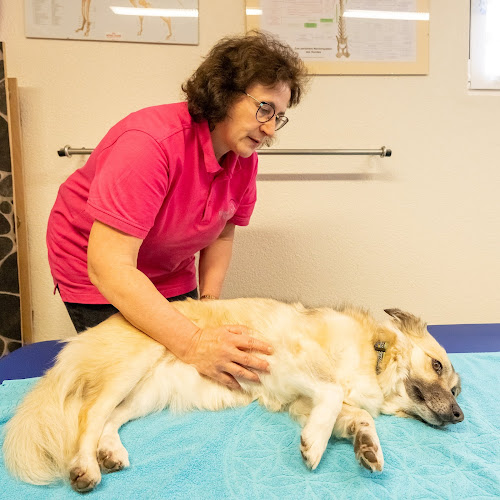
{"x": 153, "y": 176}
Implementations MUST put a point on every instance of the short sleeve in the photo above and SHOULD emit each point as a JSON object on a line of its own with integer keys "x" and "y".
{"x": 130, "y": 184}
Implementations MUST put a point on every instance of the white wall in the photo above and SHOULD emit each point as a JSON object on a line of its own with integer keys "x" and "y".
{"x": 420, "y": 230}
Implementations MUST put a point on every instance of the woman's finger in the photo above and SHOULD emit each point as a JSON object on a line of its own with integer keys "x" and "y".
{"x": 239, "y": 329}
{"x": 247, "y": 360}
{"x": 248, "y": 343}
{"x": 238, "y": 371}
{"x": 227, "y": 380}
{"x": 243, "y": 330}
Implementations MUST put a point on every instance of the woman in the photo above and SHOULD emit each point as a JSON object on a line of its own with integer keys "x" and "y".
{"x": 164, "y": 183}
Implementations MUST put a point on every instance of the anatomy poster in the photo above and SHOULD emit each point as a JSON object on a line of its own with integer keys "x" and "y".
{"x": 349, "y": 36}
{"x": 153, "y": 21}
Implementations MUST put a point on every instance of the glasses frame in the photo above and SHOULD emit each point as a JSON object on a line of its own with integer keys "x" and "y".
{"x": 283, "y": 120}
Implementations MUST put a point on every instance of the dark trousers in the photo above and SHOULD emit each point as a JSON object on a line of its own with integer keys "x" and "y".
{"x": 86, "y": 316}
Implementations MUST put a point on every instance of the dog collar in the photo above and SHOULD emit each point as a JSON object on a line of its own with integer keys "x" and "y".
{"x": 380, "y": 347}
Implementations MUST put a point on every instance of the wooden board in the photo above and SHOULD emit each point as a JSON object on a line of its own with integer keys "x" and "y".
{"x": 13, "y": 112}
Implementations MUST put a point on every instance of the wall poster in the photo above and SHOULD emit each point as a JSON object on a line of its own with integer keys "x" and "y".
{"x": 350, "y": 36}
{"x": 152, "y": 21}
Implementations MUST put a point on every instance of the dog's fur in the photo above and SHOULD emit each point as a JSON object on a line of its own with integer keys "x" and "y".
{"x": 324, "y": 371}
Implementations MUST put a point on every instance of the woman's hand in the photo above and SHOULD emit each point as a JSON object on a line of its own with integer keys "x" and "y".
{"x": 224, "y": 353}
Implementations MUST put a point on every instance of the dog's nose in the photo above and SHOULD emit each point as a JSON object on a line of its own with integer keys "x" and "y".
{"x": 456, "y": 413}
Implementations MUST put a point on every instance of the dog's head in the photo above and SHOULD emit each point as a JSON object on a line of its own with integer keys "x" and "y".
{"x": 431, "y": 383}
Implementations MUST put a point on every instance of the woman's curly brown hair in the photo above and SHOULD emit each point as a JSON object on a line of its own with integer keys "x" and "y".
{"x": 236, "y": 63}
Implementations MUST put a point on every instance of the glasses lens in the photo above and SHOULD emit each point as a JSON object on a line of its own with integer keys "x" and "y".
{"x": 281, "y": 121}
{"x": 265, "y": 112}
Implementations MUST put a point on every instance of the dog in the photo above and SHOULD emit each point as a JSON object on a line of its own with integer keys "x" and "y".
{"x": 333, "y": 370}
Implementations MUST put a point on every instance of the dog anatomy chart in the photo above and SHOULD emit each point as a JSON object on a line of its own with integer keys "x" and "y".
{"x": 153, "y": 21}
{"x": 348, "y": 36}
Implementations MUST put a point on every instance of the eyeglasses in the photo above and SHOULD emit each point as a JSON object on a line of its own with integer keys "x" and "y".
{"x": 265, "y": 112}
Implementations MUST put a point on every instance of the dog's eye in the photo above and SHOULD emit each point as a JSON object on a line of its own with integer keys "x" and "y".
{"x": 454, "y": 391}
{"x": 438, "y": 367}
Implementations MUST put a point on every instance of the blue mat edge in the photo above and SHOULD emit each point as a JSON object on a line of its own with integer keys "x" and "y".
{"x": 33, "y": 360}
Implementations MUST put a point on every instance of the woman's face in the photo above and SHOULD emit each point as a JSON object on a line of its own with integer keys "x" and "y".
{"x": 240, "y": 131}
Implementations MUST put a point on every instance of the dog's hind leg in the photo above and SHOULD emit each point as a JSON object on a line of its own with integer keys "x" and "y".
{"x": 84, "y": 469}
{"x": 357, "y": 425}
{"x": 99, "y": 401}
{"x": 146, "y": 397}
{"x": 112, "y": 456}
{"x": 326, "y": 403}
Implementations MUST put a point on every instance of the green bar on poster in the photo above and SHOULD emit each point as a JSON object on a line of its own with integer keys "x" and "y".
{"x": 310, "y": 25}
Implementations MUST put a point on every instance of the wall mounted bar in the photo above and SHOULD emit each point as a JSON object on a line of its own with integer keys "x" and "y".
{"x": 383, "y": 152}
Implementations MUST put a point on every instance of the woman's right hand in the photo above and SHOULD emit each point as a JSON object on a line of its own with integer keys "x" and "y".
{"x": 225, "y": 353}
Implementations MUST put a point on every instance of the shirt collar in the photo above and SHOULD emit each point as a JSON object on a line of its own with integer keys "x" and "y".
{"x": 211, "y": 164}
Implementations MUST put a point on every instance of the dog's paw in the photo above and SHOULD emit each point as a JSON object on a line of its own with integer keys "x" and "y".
{"x": 368, "y": 451}
{"x": 111, "y": 454}
{"x": 112, "y": 460}
{"x": 312, "y": 449}
{"x": 84, "y": 477}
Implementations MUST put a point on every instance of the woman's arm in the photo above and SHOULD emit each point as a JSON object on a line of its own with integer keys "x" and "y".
{"x": 214, "y": 262}
{"x": 221, "y": 353}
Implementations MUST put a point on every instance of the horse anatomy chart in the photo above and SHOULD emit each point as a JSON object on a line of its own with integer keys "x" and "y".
{"x": 153, "y": 21}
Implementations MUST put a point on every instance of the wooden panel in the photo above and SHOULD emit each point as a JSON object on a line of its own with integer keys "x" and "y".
{"x": 14, "y": 115}
{"x": 10, "y": 309}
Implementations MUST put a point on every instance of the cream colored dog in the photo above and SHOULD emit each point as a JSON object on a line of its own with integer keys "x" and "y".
{"x": 333, "y": 370}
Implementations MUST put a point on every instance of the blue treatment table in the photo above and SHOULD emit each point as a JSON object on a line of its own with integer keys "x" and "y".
{"x": 250, "y": 453}
{"x": 34, "y": 359}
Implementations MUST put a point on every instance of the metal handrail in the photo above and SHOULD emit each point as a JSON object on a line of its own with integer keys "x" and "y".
{"x": 383, "y": 152}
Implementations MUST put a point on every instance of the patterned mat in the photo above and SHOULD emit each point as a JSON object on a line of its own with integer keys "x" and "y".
{"x": 249, "y": 453}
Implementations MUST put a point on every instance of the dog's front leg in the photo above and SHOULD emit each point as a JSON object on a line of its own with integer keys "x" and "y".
{"x": 326, "y": 404}
{"x": 357, "y": 425}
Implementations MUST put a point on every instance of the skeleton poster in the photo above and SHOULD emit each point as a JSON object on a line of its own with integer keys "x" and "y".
{"x": 349, "y": 36}
{"x": 153, "y": 21}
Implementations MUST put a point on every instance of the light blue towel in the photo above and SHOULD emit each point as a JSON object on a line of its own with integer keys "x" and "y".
{"x": 249, "y": 453}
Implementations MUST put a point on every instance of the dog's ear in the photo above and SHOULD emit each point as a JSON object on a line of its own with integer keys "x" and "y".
{"x": 407, "y": 322}
{"x": 399, "y": 315}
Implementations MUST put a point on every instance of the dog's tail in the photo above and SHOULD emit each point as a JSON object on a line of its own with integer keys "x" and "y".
{"x": 41, "y": 437}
